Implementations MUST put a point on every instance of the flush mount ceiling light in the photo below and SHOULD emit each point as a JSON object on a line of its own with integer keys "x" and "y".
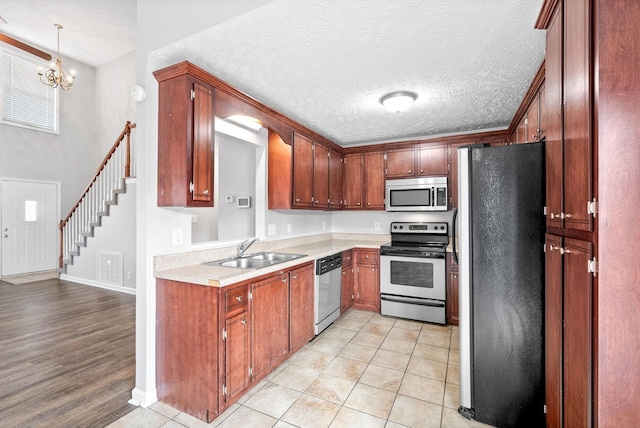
{"x": 398, "y": 101}
{"x": 56, "y": 76}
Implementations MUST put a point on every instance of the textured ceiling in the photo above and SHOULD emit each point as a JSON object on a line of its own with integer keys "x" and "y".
{"x": 326, "y": 63}
{"x": 94, "y": 33}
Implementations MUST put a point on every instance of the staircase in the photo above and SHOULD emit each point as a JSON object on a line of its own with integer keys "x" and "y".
{"x": 94, "y": 203}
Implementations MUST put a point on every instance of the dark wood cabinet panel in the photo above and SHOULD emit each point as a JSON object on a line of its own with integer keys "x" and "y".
{"x": 577, "y": 144}
{"x": 187, "y": 364}
{"x": 185, "y": 142}
{"x": 578, "y": 334}
{"x": 400, "y": 163}
{"x": 301, "y": 294}
{"x": 335, "y": 180}
{"x": 367, "y": 279}
{"x": 279, "y": 172}
{"x": 320, "y": 176}
{"x": 237, "y": 356}
{"x": 452, "y": 291}
{"x": 302, "y": 171}
{"x": 553, "y": 319}
{"x": 453, "y": 175}
{"x": 433, "y": 161}
{"x": 353, "y": 180}
{"x": 347, "y": 294}
{"x": 374, "y": 180}
{"x": 269, "y": 323}
{"x": 542, "y": 113}
{"x": 553, "y": 144}
{"x": 532, "y": 131}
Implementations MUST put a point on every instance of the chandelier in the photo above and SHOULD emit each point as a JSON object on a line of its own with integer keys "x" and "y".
{"x": 56, "y": 76}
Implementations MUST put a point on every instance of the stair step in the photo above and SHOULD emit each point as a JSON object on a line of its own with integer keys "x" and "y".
{"x": 103, "y": 213}
{"x": 113, "y": 201}
{"x": 81, "y": 243}
{"x": 74, "y": 253}
{"x": 88, "y": 234}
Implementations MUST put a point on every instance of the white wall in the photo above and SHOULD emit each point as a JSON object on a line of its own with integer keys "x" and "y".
{"x": 71, "y": 156}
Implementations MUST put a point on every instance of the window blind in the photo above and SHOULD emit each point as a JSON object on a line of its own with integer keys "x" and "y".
{"x": 25, "y": 99}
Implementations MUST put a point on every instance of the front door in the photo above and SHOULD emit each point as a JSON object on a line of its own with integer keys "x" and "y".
{"x": 28, "y": 222}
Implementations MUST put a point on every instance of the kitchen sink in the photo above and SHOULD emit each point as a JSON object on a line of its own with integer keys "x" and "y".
{"x": 255, "y": 261}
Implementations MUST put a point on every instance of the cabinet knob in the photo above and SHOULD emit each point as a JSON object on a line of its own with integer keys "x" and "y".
{"x": 421, "y": 171}
{"x": 284, "y": 280}
{"x": 239, "y": 298}
{"x": 568, "y": 215}
{"x": 294, "y": 276}
{"x": 409, "y": 172}
{"x": 368, "y": 203}
{"x": 205, "y": 192}
{"x": 297, "y": 199}
{"x": 556, "y": 248}
{"x": 244, "y": 322}
{"x": 358, "y": 203}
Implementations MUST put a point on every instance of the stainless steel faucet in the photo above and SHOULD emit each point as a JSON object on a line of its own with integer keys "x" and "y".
{"x": 245, "y": 245}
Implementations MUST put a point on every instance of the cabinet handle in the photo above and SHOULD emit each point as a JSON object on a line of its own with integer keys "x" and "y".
{"x": 562, "y": 250}
{"x": 284, "y": 280}
{"x": 568, "y": 215}
{"x": 244, "y": 322}
{"x": 239, "y": 298}
{"x": 294, "y": 276}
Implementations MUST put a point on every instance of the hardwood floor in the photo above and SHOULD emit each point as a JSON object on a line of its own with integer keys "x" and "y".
{"x": 67, "y": 354}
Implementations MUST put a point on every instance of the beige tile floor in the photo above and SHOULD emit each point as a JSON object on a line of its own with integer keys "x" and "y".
{"x": 365, "y": 370}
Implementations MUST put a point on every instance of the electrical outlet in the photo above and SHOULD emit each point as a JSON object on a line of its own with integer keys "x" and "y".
{"x": 324, "y": 225}
{"x": 289, "y": 228}
{"x": 128, "y": 274}
{"x": 176, "y": 236}
{"x": 194, "y": 218}
{"x": 376, "y": 225}
{"x": 272, "y": 230}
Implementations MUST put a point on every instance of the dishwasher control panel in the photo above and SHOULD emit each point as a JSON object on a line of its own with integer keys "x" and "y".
{"x": 329, "y": 263}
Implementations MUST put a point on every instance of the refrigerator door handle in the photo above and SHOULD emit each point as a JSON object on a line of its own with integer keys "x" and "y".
{"x": 453, "y": 235}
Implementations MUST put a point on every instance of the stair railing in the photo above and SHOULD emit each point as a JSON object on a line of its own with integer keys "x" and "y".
{"x": 107, "y": 182}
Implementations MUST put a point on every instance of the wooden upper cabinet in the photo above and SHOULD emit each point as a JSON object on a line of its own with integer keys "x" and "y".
{"x": 185, "y": 141}
{"x": 374, "y": 180}
{"x": 400, "y": 163}
{"x": 320, "y": 176}
{"x": 279, "y": 172}
{"x": 353, "y": 180}
{"x": 302, "y": 171}
{"x": 553, "y": 99}
{"x": 577, "y": 144}
{"x": 335, "y": 180}
{"x": 542, "y": 113}
{"x": 433, "y": 161}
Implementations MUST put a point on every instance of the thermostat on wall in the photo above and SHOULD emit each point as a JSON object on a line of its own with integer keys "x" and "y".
{"x": 244, "y": 202}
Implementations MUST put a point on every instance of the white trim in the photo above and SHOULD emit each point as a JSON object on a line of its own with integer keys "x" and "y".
{"x": 143, "y": 399}
{"x": 98, "y": 284}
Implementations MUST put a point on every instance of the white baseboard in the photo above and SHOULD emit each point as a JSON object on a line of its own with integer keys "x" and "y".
{"x": 98, "y": 284}
{"x": 142, "y": 398}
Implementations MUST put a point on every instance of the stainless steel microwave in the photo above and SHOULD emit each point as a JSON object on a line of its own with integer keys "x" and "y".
{"x": 416, "y": 194}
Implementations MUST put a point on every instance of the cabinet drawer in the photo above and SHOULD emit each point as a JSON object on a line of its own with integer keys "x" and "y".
{"x": 368, "y": 256}
{"x": 236, "y": 301}
{"x": 347, "y": 258}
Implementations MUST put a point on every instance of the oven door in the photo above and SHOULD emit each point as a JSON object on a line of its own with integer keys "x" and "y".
{"x": 419, "y": 277}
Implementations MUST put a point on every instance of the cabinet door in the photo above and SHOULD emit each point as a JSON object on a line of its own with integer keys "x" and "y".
{"x": 553, "y": 330}
{"x": 353, "y": 180}
{"x": 237, "y": 355}
{"x": 302, "y": 171}
{"x": 400, "y": 163}
{"x": 577, "y": 146}
{"x": 301, "y": 304}
{"x": 269, "y": 323}
{"x": 347, "y": 291}
{"x": 374, "y": 180}
{"x": 320, "y": 176}
{"x": 433, "y": 161}
{"x": 578, "y": 334}
{"x": 542, "y": 113}
{"x": 522, "y": 130}
{"x": 367, "y": 279}
{"x": 532, "y": 121}
{"x": 453, "y": 175}
{"x": 203, "y": 143}
{"x": 553, "y": 145}
{"x": 335, "y": 180}
{"x": 452, "y": 292}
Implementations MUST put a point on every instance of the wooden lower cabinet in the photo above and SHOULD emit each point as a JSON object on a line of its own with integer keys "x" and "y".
{"x": 367, "y": 279}
{"x": 301, "y": 294}
{"x": 187, "y": 347}
{"x": 269, "y": 323}
{"x": 236, "y": 356}
{"x": 452, "y": 291}
{"x": 347, "y": 293}
{"x": 568, "y": 332}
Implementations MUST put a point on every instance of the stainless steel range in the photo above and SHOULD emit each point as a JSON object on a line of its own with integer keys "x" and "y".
{"x": 412, "y": 271}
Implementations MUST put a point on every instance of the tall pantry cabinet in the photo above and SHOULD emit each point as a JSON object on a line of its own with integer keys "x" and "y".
{"x": 570, "y": 207}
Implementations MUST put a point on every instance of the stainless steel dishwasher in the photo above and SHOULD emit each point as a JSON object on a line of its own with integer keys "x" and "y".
{"x": 328, "y": 283}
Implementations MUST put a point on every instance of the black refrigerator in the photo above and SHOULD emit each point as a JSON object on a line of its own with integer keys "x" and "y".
{"x": 501, "y": 263}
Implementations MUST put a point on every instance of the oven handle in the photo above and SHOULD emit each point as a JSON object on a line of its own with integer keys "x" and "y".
{"x": 422, "y": 302}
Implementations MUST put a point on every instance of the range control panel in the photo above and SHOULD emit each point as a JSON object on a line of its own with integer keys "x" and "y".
{"x": 438, "y": 228}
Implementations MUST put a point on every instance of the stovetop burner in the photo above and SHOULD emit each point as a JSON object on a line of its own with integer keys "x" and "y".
{"x": 417, "y": 239}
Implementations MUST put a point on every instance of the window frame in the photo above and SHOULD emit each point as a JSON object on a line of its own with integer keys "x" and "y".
{"x": 37, "y": 62}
